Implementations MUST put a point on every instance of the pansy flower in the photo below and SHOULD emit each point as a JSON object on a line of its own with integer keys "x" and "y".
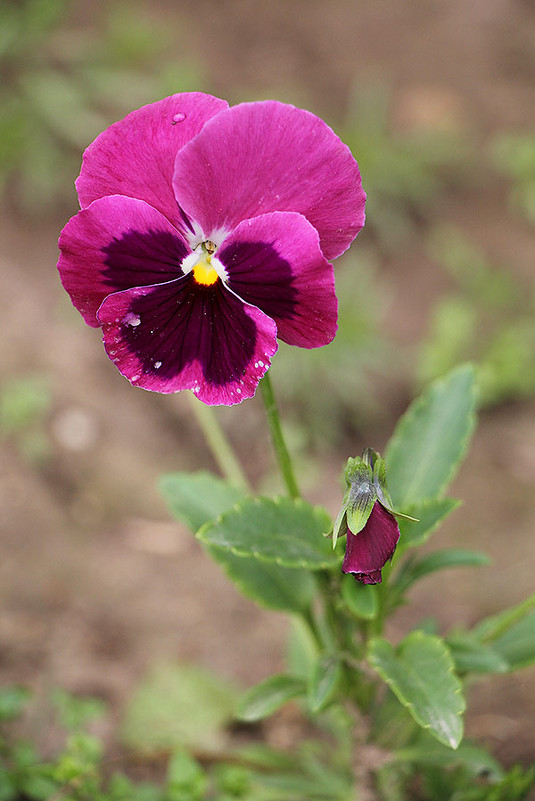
{"x": 204, "y": 235}
{"x": 368, "y": 519}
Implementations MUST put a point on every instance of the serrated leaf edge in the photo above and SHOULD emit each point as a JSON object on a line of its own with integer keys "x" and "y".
{"x": 257, "y": 500}
{"x": 451, "y": 670}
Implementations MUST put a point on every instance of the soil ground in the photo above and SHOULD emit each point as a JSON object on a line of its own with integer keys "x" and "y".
{"x": 95, "y": 583}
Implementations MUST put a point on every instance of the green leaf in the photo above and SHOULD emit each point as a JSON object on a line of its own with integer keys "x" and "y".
{"x": 201, "y": 497}
{"x": 286, "y": 531}
{"x": 185, "y": 778}
{"x": 271, "y": 585}
{"x": 324, "y": 682}
{"x": 266, "y": 697}
{"x": 361, "y": 599}
{"x": 474, "y": 758}
{"x": 301, "y": 648}
{"x": 413, "y": 570}
{"x": 178, "y": 705}
{"x": 431, "y": 439}
{"x": 430, "y": 515}
{"x": 196, "y": 498}
{"x": 517, "y": 645}
{"x": 472, "y": 656}
{"x": 420, "y": 674}
{"x": 492, "y": 627}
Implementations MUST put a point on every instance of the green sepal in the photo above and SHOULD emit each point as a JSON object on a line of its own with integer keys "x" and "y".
{"x": 339, "y": 523}
{"x": 361, "y": 496}
{"x": 383, "y": 495}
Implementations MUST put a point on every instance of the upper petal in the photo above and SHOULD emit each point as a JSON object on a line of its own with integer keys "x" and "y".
{"x": 183, "y": 335}
{"x": 116, "y": 243}
{"x": 274, "y": 262}
{"x": 136, "y": 156}
{"x": 269, "y": 156}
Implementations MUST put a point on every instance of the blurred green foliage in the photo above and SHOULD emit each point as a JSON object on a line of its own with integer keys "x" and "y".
{"x": 24, "y": 407}
{"x": 403, "y": 173}
{"x": 514, "y": 156}
{"x": 489, "y": 318}
{"x": 330, "y": 390}
{"x": 63, "y": 83}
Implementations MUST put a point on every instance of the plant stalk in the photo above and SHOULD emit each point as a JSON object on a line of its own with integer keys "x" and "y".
{"x": 277, "y": 437}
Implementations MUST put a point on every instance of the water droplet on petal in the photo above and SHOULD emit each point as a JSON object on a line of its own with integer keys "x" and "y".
{"x": 179, "y": 117}
{"x": 132, "y": 319}
{"x": 157, "y": 365}
{"x": 135, "y": 377}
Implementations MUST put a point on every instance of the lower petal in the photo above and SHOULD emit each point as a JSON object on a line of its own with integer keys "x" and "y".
{"x": 368, "y": 551}
{"x": 116, "y": 243}
{"x": 274, "y": 261}
{"x": 183, "y": 335}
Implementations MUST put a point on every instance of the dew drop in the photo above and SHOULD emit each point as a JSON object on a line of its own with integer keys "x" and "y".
{"x": 135, "y": 377}
{"x": 132, "y": 319}
{"x": 157, "y": 365}
{"x": 179, "y": 117}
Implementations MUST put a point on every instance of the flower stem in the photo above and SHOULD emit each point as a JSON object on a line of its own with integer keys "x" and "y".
{"x": 218, "y": 443}
{"x": 281, "y": 451}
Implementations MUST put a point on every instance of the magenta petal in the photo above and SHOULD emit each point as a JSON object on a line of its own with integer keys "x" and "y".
{"x": 136, "y": 156}
{"x": 183, "y": 335}
{"x": 116, "y": 243}
{"x": 274, "y": 262}
{"x": 369, "y": 550}
{"x": 261, "y": 157}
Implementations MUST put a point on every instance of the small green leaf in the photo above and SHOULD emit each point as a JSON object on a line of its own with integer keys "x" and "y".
{"x": 428, "y": 752}
{"x": 431, "y": 439}
{"x": 361, "y": 599}
{"x": 517, "y": 645}
{"x": 286, "y": 531}
{"x": 185, "y": 778}
{"x": 492, "y": 627}
{"x": 420, "y": 674}
{"x": 324, "y": 682}
{"x": 266, "y": 697}
{"x": 197, "y": 498}
{"x": 430, "y": 514}
{"x": 413, "y": 570}
{"x": 472, "y": 656}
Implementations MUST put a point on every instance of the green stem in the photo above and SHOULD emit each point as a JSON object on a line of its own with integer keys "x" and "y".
{"x": 218, "y": 443}
{"x": 281, "y": 451}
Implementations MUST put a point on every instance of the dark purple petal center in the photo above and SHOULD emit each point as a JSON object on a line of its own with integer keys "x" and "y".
{"x": 176, "y": 324}
{"x": 142, "y": 258}
{"x": 260, "y": 276}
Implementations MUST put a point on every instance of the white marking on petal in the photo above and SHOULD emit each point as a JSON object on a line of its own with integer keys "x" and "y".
{"x": 132, "y": 319}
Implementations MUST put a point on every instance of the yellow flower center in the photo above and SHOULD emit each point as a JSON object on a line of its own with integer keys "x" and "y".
{"x": 204, "y": 273}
